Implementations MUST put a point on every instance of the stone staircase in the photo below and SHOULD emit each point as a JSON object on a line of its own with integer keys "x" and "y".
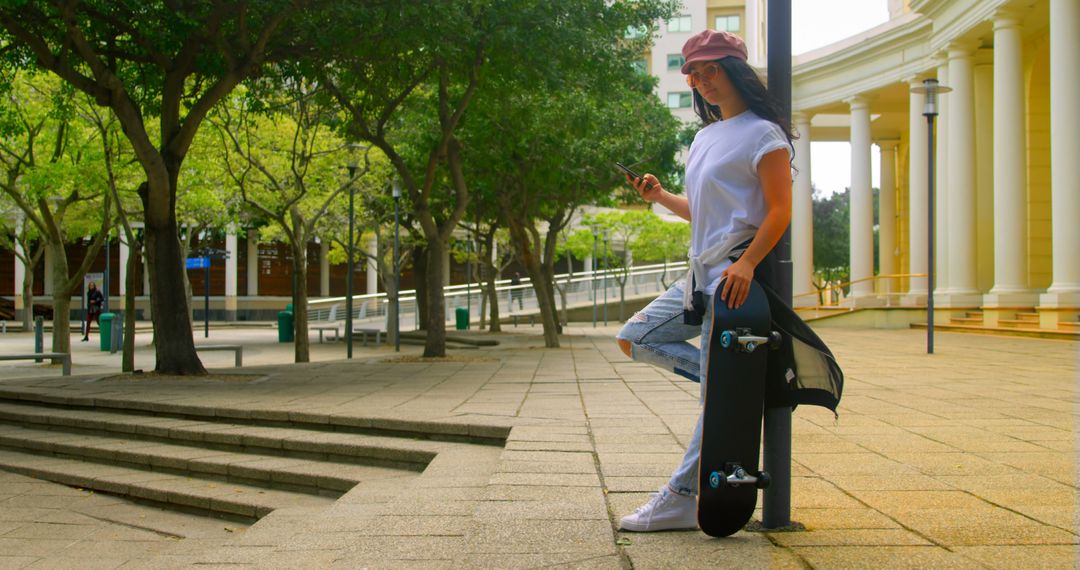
{"x": 1022, "y": 320}
{"x": 232, "y": 468}
{"x": 969, "y": 318}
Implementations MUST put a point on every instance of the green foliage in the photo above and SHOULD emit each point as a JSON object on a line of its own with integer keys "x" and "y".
{"x": 661, "y": 240}
{"x": 831, "y": 235}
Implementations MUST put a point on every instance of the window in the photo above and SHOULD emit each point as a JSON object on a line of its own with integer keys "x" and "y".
{"x": 728, "y": 23}
{"x": 641, "y": 66}
{"x": 679, "y": 24}
{"x": 678, "y": 100}
{"x": 675, "y": 61}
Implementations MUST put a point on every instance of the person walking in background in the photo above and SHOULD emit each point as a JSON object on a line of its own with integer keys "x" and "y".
{"x": 738, "y": 203}
{"x": 515, "y": 291}
{"x": 94, "y": 301}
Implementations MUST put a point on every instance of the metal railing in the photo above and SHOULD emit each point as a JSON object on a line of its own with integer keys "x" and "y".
{"x": 581, "y": 287}
{"x": 886, "y": 287}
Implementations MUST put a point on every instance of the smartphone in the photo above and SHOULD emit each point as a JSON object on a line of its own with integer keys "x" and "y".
{"x": 628, "y": 170}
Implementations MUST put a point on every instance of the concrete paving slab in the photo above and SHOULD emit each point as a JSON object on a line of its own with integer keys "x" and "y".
{"x": 963, "y": 458}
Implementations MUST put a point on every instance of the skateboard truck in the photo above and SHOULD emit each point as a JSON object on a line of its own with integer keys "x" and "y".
{"x": 747, "y": 341}
{"x": 734, "y": 475}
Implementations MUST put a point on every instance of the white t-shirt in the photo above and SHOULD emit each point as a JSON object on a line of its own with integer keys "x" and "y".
{"x": 722, "y": 181}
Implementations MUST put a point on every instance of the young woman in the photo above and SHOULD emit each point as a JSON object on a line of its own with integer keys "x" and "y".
{"x": 738, "y": 199}
{"x": 94, "y": 300}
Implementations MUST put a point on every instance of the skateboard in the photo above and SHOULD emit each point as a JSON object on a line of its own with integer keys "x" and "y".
{"x": 728, "y": 477}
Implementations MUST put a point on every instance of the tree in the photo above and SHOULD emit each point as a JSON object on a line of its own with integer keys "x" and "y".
{"x": 831, "y": 234}
{"x": 662, "y": 241}
{"x": 541, "y": 154}
{"x": 48, "y": 159}
{"x": 155, "y": 59}
{"x": 433, "y": 78}
{"x": 287, "y": 164}
{"x": 21, "y": 238}
{"x": 624, "y": 227}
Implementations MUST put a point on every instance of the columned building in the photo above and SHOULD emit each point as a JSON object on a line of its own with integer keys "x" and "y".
{"x": 1007, "y": 155}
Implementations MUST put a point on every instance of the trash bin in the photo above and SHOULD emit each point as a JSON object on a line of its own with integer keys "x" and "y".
{"x": 105, "y": 324}
{"x": 462, "y": 315}
{"x": 285, "y": 325}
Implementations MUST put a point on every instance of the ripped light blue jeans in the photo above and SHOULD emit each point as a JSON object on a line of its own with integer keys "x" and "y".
{"x": 658, "y": 336}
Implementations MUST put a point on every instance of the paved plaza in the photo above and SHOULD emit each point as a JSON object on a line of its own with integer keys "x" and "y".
{"x": 963, "y": 459}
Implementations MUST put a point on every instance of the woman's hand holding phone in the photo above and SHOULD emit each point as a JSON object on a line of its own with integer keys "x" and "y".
{"x": 648, "y": 187}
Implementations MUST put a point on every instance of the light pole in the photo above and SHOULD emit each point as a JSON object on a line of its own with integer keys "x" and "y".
{"x": 930, "y": 88}
{"x": 349, "y": 276}
{"x": 605, "y": 276}
{"x": 396, "y": 190}
{"x": 592, "y": 270}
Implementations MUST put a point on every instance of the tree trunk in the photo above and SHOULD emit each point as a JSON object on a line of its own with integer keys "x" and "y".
{"x": 61, "y": 334}
{"x": 28, "y": 299}
{"x": 300, "y": 299}
{"x": 519, "y": 236}
{"x": 435, "y": 345}
{"x": 174, "y": 345}
{"x": 128, "y": 358}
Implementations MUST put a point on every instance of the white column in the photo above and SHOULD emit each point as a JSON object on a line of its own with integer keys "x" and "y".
{"x": 961, "y": 190}
{"x": 941, "y": 186}
{"x": 20, "y": 270}
{"x": 446, "y": 267}
{"x": 1010, "y": 167}
{"x": 372, "y": 265}
{"x": 1064, "y": 292}
{"x": 861, "y": 239}
{"x": 145, "y": 279}
{"x": 231, "y": 274}
{"x": 324, "y": 268}
{"x": 47, "y": 284}
{"x": 802, "y": 219}
{"x": 253, "y": 263}
{"x": 887, "y": 216}
{"x": 918, "y": 163}
{"x": 125, "y": 254}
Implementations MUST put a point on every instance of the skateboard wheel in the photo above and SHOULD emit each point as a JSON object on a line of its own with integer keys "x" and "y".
{"x": 763, "y": 480}
{"x": 775, "y": 339}
{"x": 714, "y": 480}
{"x": 728, "y": 338}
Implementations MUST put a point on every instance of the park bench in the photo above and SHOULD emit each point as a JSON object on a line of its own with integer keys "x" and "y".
{"x": 64, "y": 357}
{"x": 365, "y": 331}
{"x": 238, "y": 350}
{"x": 330, "y": 324}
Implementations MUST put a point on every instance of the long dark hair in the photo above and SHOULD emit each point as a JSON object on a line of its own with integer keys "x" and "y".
{"x": 753, "y": 91}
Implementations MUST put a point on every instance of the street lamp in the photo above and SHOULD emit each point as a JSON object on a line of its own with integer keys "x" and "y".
{"x": 605, "y": 276}
{"x": 396, "y": 190}
{"x": 595, "y": 234}
{"x": 930, "y": 88}
{"x": 352, "y": 168}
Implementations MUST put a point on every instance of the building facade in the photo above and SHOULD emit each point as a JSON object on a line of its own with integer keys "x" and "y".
{"x": 1007, "y": 156}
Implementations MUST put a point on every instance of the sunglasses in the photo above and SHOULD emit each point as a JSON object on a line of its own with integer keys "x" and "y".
{"x": 707, "y": 72}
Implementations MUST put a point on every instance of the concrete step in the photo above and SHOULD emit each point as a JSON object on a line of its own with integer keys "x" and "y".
{"x": 299, "y": 475}
{"x": 165, "y": 489}
{"x": 337, "y": 446}
{"x": 1069, "y": 325}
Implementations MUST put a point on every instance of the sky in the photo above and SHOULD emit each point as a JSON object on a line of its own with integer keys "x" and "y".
{"x": 816, "y": 23}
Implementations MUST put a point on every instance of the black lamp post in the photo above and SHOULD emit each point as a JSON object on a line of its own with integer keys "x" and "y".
{"x": 396, "y": 190}
{"x": 605, "y": 276}
{"x": 930, "y": 88}
{"x": 595, "y": 234}
{"x": 352, "y": 168}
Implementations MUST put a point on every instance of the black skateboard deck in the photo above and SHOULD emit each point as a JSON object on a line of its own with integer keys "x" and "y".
{"x": 728, "y": 476}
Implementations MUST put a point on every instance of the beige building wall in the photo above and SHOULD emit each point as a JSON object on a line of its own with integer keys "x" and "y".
{"x": 1040, "y": 258}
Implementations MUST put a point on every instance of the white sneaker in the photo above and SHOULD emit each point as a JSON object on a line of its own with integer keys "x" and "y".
{"x": 666, "y": 510}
